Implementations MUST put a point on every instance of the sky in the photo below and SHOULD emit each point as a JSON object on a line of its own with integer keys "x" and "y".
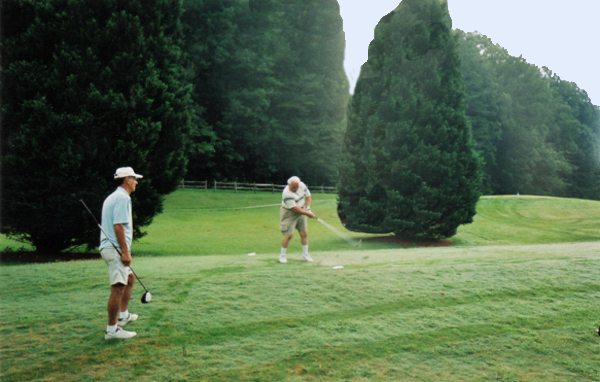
{"x": 562, "y": 35}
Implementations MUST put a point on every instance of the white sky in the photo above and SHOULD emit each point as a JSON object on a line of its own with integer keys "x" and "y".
{"x": 562, "y": 35}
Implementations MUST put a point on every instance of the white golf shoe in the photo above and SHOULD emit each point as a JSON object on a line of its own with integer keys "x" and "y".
{"x": 124, "y": 321}
{"x": 119, "y": 334}
{"x": 282, "y": 259}
{"x": 307, "y": 258}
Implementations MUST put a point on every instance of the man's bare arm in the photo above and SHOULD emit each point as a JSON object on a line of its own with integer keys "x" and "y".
{"x": 120, "y": 234}
{"x": 301, "y": 211}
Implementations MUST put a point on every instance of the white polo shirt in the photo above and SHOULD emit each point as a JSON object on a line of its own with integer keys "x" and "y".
{"x": 294, "y": 199}
{"x": 116, "y": 210}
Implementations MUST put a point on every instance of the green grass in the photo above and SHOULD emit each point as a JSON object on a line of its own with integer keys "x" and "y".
{"x": 200, "y": 223}
{"x": 531, "y": 220}
{"x": 522, "y": 308}
{"x": 197, "y": 222}
{"x": 502, "y": 313}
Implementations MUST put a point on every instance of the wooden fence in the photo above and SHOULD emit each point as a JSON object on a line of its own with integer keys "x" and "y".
{"x": 239, "y": 186}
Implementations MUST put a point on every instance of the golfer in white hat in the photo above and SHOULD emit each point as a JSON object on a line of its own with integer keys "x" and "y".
{"x": 117, "y": 222}
{"x": 295, "y": 207}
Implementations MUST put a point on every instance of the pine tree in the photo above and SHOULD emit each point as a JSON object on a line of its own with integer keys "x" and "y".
{"x": 408, "y": 165}
{"x": 89, "y": 86}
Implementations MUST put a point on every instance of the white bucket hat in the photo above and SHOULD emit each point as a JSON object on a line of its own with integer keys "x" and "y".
{"x": 123, "y": 172}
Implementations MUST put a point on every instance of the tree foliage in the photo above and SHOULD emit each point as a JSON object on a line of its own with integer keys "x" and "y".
{"x": 536, "y": 133}
{"x": 268, "y": 75}
{"x": 408, "y": 165}
{"x": 88, "y": 86}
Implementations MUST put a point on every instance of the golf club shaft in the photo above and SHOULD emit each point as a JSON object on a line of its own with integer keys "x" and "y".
{"x": 348, "y": 239}
{"x": 113, "y": 244}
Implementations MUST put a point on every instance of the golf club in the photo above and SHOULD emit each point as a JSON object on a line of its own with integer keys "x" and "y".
{"x": 147, "y": 296}
{"x": 347, "y": 238}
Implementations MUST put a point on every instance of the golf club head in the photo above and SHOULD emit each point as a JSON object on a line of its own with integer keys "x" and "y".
{"x": 146, "y": 298}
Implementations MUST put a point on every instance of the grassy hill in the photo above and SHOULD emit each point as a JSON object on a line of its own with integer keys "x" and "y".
{"x": 200, "y": 223}
{"x": 196, "y": 222}
{"x": 531, "y": 220}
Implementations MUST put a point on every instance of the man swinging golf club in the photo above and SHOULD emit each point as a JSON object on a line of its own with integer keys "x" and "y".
{"x": 117, "y": 223}
{"x": 295, "y": 207}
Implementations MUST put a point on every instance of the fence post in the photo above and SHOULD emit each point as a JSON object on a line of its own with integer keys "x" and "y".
{"x": 322, "y": 190}
{"x": 182, "y": 184}
{"x": 215, "y": 186}
{"x": 206, "y": 185}
{"x": 273, "y": 188}
{"x": 235, "y": 186}
{"x": 255, "y": 188}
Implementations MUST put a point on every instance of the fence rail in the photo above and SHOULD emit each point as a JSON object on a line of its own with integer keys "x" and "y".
{"x": 239, "y": 186}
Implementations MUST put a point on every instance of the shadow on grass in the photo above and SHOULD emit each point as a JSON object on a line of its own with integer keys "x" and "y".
{"x": 20, "y": 257}
{"x": 395, "y": 240}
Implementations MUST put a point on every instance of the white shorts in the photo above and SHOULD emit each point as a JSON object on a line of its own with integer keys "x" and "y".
{"x": 289, "y": 221}
{"x": 117, "y": 271}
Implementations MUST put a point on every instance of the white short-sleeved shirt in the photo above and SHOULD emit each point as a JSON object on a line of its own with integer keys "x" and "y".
{"x": 294, "y": 199}
{"x": 116, "y": 210}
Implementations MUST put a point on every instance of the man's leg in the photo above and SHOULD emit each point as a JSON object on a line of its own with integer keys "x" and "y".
{"x": 304, "y": 241}
{"x": 127, "y": 292}
{"x": 286, "y": 241}
{"x": 284, "y": 244}
{"x": 124, "y": 316}
{"x": 114, "y": 306}
{"x": 114, "y": 303}
{"x": 304, "y": 237}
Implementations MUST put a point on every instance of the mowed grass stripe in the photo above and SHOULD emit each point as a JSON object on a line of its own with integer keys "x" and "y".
{"x": 463, "y": 313}
{"x": 172, "y": 337}
{"x": 422, "y": 341}
{"x": 531, "y": 220}
{"x": 433, "y": 343}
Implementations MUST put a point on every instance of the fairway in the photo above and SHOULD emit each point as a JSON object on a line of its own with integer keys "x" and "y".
{"x": 498, "y": 313}
{"x": 199, "y": 223}
{"x": 508, "y": 301}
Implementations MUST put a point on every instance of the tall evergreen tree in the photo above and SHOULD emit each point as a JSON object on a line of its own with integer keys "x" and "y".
{"x": 88, "y": 86}
{"x": 408, "y": 165}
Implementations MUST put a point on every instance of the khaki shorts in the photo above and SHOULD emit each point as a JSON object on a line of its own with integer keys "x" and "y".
{"x": 289, "y": 220}
{"x": 117, "y": 271}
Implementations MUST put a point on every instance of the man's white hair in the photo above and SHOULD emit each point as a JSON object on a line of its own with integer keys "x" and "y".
{"x": 293, "y": 179}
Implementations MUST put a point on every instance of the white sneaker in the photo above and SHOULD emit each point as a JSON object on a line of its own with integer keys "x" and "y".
{"x": 307, "y": 258}
{"x": 282, "y": 259}
{"x": 120, "y": 334}
{"x": 124, "y": 321}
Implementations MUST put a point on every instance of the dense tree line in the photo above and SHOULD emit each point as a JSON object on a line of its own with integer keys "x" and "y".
{"x": 212, "y": 89}
{"x": 536, "y": 133}
{"x": 268, "y": 76}
{"x": 254, "y": 90}
{"x": 408, "y": 164}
